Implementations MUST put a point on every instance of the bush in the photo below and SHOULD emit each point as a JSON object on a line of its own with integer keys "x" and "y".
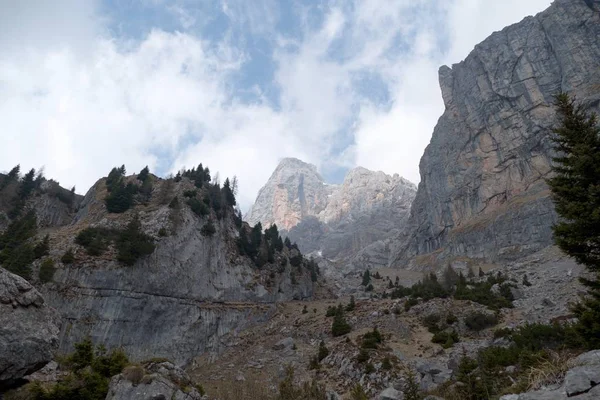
{"x": 47, "y": 270}
{"x": 371, "y": 340}
{"x": 409, "y": 303}
{"x": 358, "y": 393}
{"x": 369, "y": 368}
{"x": 352, "y": 305}
{"x": 323, "y": 351}
{"x": 95, "y": 240}
{"x": 340, "y": 327}
{"x": 198, "y": 207}
{"x": 431, "y": 322}
{"x": 446, "y": 338}
{"x": 479, "y": 321}
{"x": 68, "y": 257}
{"x": 386, "y": 364}
{"x": 133, "y": 244}
{"x": 363, "y": 356}
{"x": 89, "y": 375}
{"x": 208, "y": 229}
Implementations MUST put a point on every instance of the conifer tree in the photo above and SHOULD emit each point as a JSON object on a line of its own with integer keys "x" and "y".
{"x": 576, "y": 193}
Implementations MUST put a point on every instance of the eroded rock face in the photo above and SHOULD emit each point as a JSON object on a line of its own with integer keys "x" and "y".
{"x": 482, "y": 192}
{"x": 184, "y": 299}
{"x": 338, "y": 221}
{"x": 28, "y": 334}
{"x": 294, "y": 191}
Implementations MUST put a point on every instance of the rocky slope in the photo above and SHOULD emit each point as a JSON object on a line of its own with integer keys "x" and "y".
{"x": 194, "y": 288}
{"x": 28, "y": 331}
{"x": 482, "y": 193}
{"x": 335, "y": 221}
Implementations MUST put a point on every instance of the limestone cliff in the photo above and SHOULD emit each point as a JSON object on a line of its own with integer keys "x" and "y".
{"x": 194, "y": 289}
{"x": 482, "y": 192}
{"x": 337, "y": 221}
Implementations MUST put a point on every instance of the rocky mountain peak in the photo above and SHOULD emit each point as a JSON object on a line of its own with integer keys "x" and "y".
{"x": 294, "y": 191}
{"x": 334, "y": 220}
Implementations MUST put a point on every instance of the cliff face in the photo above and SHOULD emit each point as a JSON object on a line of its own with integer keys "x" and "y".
{"x": 194, "y": 290}
{"x": 294, "y": 191}
{"x": 482, "y": 192}
{"x": 338, "y": 221}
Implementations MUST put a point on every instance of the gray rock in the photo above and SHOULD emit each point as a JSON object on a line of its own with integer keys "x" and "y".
{"x": 190, "y": 296}
{"x": 391, "y": 394}
{"x": 161, "y": 381}
{"x": 284, "y": 344}
{"x": 581, "y": 379}
{"x": 589, "y": 358}
{"x": 482, "y": 194}
{"x": 350, "y": 221}
{"x": 28, "y": 331}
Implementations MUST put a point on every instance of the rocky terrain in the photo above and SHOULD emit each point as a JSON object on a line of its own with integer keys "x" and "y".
{"x": 336, "y": 222}
{"x": 482, "y": 193}
{"x": 28, "y": 330}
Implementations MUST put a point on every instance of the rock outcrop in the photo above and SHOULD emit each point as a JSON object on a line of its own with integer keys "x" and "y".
{"x": 158, "y": 381}
{"x": 184, "y": 299}
{"x": 335, "y": 221}
{"x": 482, "y": 193}
{"x": 582, "y": 382}
{"x": 28, "y": 334}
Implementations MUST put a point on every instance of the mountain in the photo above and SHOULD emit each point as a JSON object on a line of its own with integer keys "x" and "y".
{"x": 335, "y": 221}
{"x": 169, "y": 275}
{"x": 482, "y": 193}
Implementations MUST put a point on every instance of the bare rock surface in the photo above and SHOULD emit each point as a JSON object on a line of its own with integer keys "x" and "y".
{"x": 28, "y": 334}
{"x": 482, "y": 193}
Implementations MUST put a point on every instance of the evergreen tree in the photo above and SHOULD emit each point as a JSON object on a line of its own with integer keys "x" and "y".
{"x": 143, "y": 175}
{"x": 42, "y": 248}
{"x": 228, "y": 193}
{"x": 27, "y": 185}
{"x": 576, "y": 194}
{"x": 14, "y": 173}
{"x": 132, "y": 243}
{"x": 366, "y": 279}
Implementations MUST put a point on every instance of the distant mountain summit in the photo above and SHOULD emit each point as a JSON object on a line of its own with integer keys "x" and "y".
{"x": 337, "y": 221}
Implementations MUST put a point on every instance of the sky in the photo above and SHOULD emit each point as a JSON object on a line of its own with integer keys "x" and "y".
{"x": 86, "y": 85}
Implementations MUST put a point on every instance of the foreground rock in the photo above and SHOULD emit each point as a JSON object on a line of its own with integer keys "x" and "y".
{"x": 582, "y": 382}
{"x": 482, "y": 192}
{"x": 158, "y": 381}
{"x": 28, "y": 334}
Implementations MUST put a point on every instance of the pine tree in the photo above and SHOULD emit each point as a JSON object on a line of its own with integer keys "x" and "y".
{"x": 366, "y": 279}
{"x": 143, "y": 175}
{"x": 576, "y": 194}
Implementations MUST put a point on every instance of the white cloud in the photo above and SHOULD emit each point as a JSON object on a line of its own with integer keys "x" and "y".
{"x": 79, "y": 102}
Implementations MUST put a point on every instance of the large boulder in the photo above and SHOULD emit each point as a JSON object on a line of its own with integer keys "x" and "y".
{"x": 158, "y": 381}
{"x": 28, "y": 331}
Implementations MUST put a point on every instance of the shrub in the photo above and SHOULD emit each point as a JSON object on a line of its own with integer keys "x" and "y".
{"x": 305, "y": 310}
{"x": 162, "y": 232}
{"x": 451, "y": 319}
{"x": 208, "y": 229}
{"x": 386, "y": 364}
{"x": 409, "y": 303}
{"x": 340, "y": 327}
{"x": 323, "y": 351}
{"x": 352, "y": 305}
{"x": 478, "y": 321}
{"x": 431, "y": 322}
{"x": 371, "y": 340}
{"x": 68, "y": 257}
{"x": 369, "y": 368}
{"x": 95, "y": 240}
{"x": 134, "y": 374}
{"x": 411, "y": 388}
{"x": 133, "y": 244}
{"x": 363, "y": 356}
{"x": 358, "y": 393}
{"x": 47, "y": 270}
{"x": 446, "y": 338}
{"x": 198, "y": 207}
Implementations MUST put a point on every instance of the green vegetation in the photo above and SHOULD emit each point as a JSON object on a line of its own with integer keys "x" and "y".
{"x": 371, "y": 340}
{"x": 17, "y": 251}
{"x": 459, "y": 287}
{"x": 307, "y": 391}
{"x": 131, "y": 243}
{"x": 89, "y": 372}
{"x": 366, "y": 279}
{"x": 576, "y": 193}
{"x": 352, "y": 305}
{"x": 478, "y": 321}
{"x": 68, "y": 257}
{"x": 358, "y": 393}
{"x": 47, "y": 270}
{"x": 340, "y": 327}
{"x": 120, "y": 195}
{"x": 208, "y": 229}
{"x": 532, "y": 346}
{"x": 442, "y": 333}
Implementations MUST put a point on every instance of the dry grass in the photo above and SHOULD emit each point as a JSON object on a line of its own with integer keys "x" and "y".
{"x": 551, "y": 371}
{"x": 250, "y": 389}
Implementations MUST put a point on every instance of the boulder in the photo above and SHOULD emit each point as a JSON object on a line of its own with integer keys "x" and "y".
{"x": 284, "y": 344}
{"x": 391, "y": 394}
{"x": 158, "y": 381}
{"x": 28, "y": 331}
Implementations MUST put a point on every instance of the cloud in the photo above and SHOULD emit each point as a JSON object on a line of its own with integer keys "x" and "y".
{"x": 356, "y": 85}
